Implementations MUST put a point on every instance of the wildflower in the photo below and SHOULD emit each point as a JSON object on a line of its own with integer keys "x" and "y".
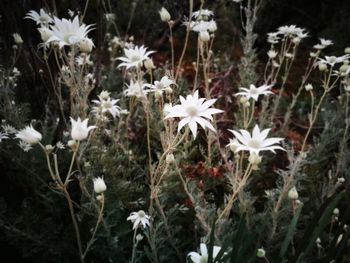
{"x": 107, "y": 105}
{"x": 17, "y": 38}
{"x": 254, "y": 92}
{"x": 164, "y": 15}
{"x": 170, "y": 158}
{"x": 110, "y": 17}
{"x": 161, "y": 85}
{"x": 29, "y": 135}
{"x": 99, "y": 185}
{"x": 139, "y": 218}
{"x": 60, "y": 145}
{"x": 272, "y": 54}
{"x": 256, "y": 142}
{"x": 149, "y": 65}
{"x": 200, "y": 26}
{"x": 80, "y": 130}
{"x": 41, "y": 18}
{"x": 83, "y": 60}
{"x": 134, "y": 57}
{"x": 68, "y": 32}
{"x": 9, "y": 129}
{"x": 192, "y": 111}
{"x": 291, "y": 30}
{"x": 273, "y": 38}
{"x": 293, "y": 193}
{"x": 347, "y": 50}
{"x": 324, "y": 43}
{"x": 332, "y": 60}
{"x": 26, "y": 147}
{"x": 136, "y": 89}
{"x": 203, "y": 256}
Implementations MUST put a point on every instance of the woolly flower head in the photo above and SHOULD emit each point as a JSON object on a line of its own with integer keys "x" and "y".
{"x": 139, "y": 218}
{"x": 202, "y": 14}
{"x": 203, "y": 256}
{"x": 29, "y": 135}
{"x": 255, "y": 142}
{"x": 161, "y": 85}
{"x": 134, "y": 57}
{"x": 80, "y": 129}
{"x": 194, "y": 110}
{"x": 254, "y": 92}
{"x": 41, "y": 18}
{"x": 68, "y": 32}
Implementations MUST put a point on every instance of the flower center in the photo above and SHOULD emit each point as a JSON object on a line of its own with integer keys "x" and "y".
{"x": 107, "y": 104}
{"x": 254, "y": 144}
{"x": 135, "y": 58}
{"x": 192, "y": 111}
{"x": 141, "y": 213}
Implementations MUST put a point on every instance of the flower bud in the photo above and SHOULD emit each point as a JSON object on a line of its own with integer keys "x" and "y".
{"x": 261, "y": 253}
{"x": 17, "y": 38}
{"x": 254, "y": 159}
{"x": 204, "y": 36}
{"x": 247, "y": 104}
{"x": 149, "y": 65}
{"x": 164, "y": 15}
{"x": 243, "y": 100}
{"x": 168, "y": 90}
{"x": 104, "y": 95}
{"x": 49, "y": 148}
{"x": 344, "y": 68}
{"x": 72, "y": 144}
{"x": 293, "y": 194}
{"x": 86, "y": 45}
{"x": 322, "y": 67}
{"x": 272, "y": 54}
{"x": 158, "y": 94}
{"x": 99, "y": 185}
{"x": 336, "y": 211}
{"x": 347, "y": 50}
{"x": 308, "y": 87}
{"x": 170, "y": 159}
{"x": 139, "y": 237}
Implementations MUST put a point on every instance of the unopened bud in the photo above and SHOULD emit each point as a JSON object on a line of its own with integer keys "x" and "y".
{"x": 293, "y": 194}
{"x": 261, "y": 253}
{"x": 204, "y": 36}
{"x": 164, "y": 15}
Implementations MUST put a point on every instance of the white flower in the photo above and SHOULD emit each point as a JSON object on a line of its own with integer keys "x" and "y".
{"x": 41, "y": 18}
{"x": 256, "y": 142}
{"x": 8, "y": 129}
{"x": 272, "y": 54}
{"x": 3, "y": 136}
{"x": 29, "y": 135}
{"x": 202, "y": 13}
{"x": 261, "y": 253}
{"x": 60, "y": 145}
{"x": 161, "y": 85}
{"x": 136, "y": 89}
{"x": 332, "y": 60}
{"x": 291, "y": 30}
{"x": 99, "y": 185}
{"x": 164, "y": 15}
{"x": 192, "y": 111}
{"x": 68, "y": 32}
{"x": 80, "y": 130}
{"x": 25, "y": 146}
{"x": 203, "y": 256}
{"x": 17, "y": 38}
{"x": 254, "y": 92}
{"x": 293, "y": 193}
{"x": 134, "y": 57}
{"x": 107, "y": 105}
{"x": 199, "y": 26}
{"x": 139, "y": 218}
{"x": 273, "y": 38}
{"x": 83, "y": 60}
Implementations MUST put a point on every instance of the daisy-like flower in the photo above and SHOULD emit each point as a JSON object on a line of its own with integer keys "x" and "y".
{"x": 26, "y": 147}
{"x": 290, "y": 30}
{"x": 136, "y": 89}
{"x": 203, "y": 256}
{"x": 254, "y": 143}
{"x": 80, "y": 129}
{"x": 68, "y": 32}
{"x": 9, "y": 129}
{"x": 161, "y": 85}
{"x": 139, "y": 218}
{"x": 41, "y": 18}
{"x": 29, "y": 135}
{"x": 254, "y": 92}
{"x": 273, "y": 38}
{"x": 84, "y": 60}
{"x": 107, "y": 105}
{"x": 202, "y": 26}
{"x": 192, "y": 111}
{"x": 134, "y": 57}
{"x": 332, "y": 60}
